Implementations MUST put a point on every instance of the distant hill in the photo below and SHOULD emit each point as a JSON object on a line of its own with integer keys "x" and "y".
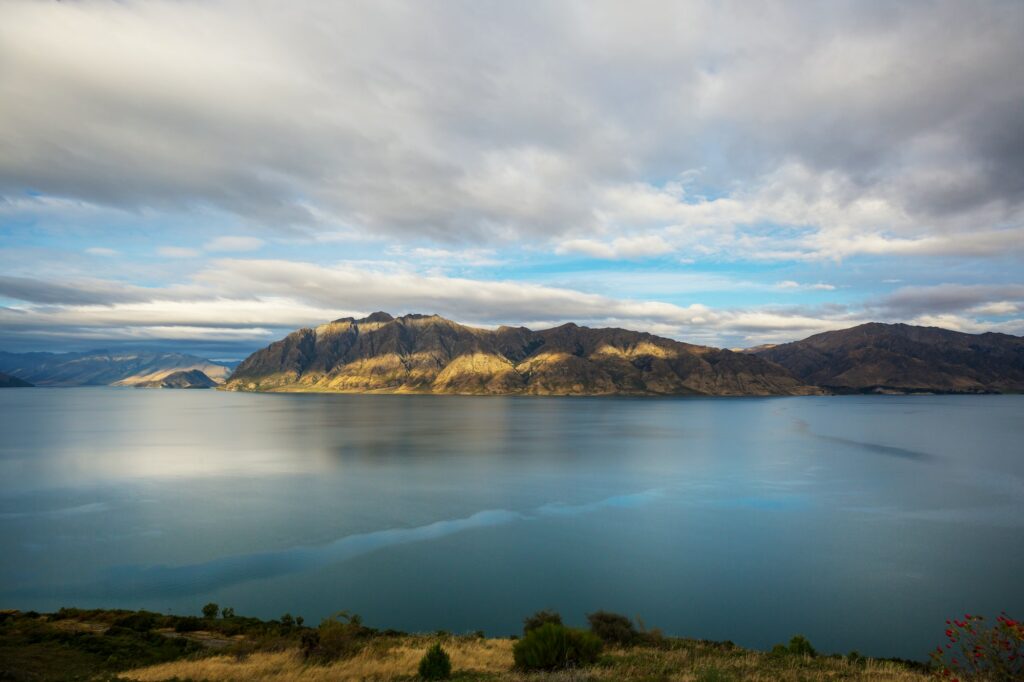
{"x": 100, "y": 368}
{"x": 192, "y": 378}
{"x": 904, "y": 358}
{"x": 429, "y": 354}
{"x": 7, "y": 381}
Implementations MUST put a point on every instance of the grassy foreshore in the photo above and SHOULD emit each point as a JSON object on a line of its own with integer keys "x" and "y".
{"x": 75, "y": 644}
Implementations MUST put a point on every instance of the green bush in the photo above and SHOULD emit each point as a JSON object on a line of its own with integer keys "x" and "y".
{"x": 210, "y": 611}
{"x": 613, "y": 628}
{"x": 188, "y": 624}
{"x": 555, "y": 647}
{"x": 339, "y": 636}
{"x": 435, "y": 664}
{"x": 142, "y": 621}
{"x": 798, "y": 646}
{"x": 540, "y": 618}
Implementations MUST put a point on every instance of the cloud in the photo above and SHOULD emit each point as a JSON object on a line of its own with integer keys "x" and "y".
{"x": 177, "y": 252}
{"x": 918, "y": 302}
{"x": 620, "y": 133}
{"x": 101, "y": 251}
{"x": 254, "y": 300}
{"x": 792, "y": 285}
{"x": 234, "y": 243}
{"x": 244, "y": 304}
{"x": 623, "y": 247}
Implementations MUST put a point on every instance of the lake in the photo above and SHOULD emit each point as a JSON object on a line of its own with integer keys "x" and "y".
{"x": 862, "y": 522}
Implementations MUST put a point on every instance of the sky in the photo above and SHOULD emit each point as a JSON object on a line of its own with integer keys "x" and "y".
{"x": 208, "y": 176}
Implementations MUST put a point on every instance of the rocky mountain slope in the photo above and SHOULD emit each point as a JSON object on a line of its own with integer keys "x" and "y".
{"x": 429, "y": 354}
{"x": 7, "y": 381}
{"x": 904, "y": 358}
{"x": 100, "y": 368}
{"x": 192, "y": 378}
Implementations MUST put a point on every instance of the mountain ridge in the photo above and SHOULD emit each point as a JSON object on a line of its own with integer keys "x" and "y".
{"x": 102, "y": 367}
{"x": 880, "y": 357}
{"x": 184, "y": 379}
{"x": 419, "y": 353}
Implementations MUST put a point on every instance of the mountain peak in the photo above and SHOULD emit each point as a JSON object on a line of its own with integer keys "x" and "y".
{"x": 379, "y": 316}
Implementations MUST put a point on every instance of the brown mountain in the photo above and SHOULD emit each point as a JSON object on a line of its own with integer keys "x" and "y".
{"x": 7, "y": 381}
{"x": 191, "y": 378}
{"x": 429, "y": 354}
{"x": 904, "y": 358}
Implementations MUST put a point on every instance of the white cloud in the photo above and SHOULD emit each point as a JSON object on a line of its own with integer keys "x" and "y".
{"x": 641, "y": 246}
{"x": 281, "y": 295}
{"x": 101, "y": 251}
{"x": 234, "y": 243}
{"x": 792, "y": 285}
{"x": 177, "y": 252}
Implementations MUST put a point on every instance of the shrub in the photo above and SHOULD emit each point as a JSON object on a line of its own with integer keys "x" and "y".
{"x": 801, "y": 646}
{"x": 612, "y": 628}
{"x": 435, "y": 664}
{"x": 227, "y": 612}
{"x": 142, "y": 621}
{"x": 555, "y": 647}
{"x": 975, "y": 650}
{"x": 540, "y": 618}
{"x": 339, "y": 636}
{"x": 798, "y": 646}
{"x": 188, "y": 624}
{"x": 210, "y": 611}
{"x": 287, "y": 620}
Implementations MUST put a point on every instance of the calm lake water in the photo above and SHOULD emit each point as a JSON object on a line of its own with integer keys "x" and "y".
{"x": 862, "y": 522}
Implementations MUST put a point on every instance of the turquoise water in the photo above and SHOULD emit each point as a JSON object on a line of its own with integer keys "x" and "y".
{"x": 862, "y": 522}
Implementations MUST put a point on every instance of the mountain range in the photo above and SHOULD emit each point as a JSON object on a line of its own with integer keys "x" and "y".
{"x": 101, "y": 367}
{"x": 429, "y": 354}
{"x": 903, "y": 358}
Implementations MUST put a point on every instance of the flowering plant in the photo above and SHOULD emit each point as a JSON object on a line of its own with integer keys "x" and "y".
{"x": 974, "y": 650}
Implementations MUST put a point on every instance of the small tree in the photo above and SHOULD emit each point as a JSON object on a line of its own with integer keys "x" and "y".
{"x": 798, "y": 646}
{"x": 612, "y": 628}
{"x": 227, "y": 612}
{"x": 339, "y": 636}
{"x": 435, "y": 664}
{"x": 210, "y": 611}
{"x": 801, "y": 646}
{"x": 540, "y": 618}
{"x": 299, "y": 620}
{"x": 555, "y": 647}
{"x": 287, "y": 620}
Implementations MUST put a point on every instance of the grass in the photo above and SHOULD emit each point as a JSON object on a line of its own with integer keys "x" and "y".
{"x": 96, "y": 645}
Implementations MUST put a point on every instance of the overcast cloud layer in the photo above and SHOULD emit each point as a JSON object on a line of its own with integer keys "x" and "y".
{"x": 216, "y": 173}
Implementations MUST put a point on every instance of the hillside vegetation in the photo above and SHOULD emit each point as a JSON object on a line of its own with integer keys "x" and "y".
{"x": 75, "y": 644}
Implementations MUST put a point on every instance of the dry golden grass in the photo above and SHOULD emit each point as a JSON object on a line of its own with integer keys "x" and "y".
{"x": 382, "y": 660}
{"x": 491, "y": 659}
